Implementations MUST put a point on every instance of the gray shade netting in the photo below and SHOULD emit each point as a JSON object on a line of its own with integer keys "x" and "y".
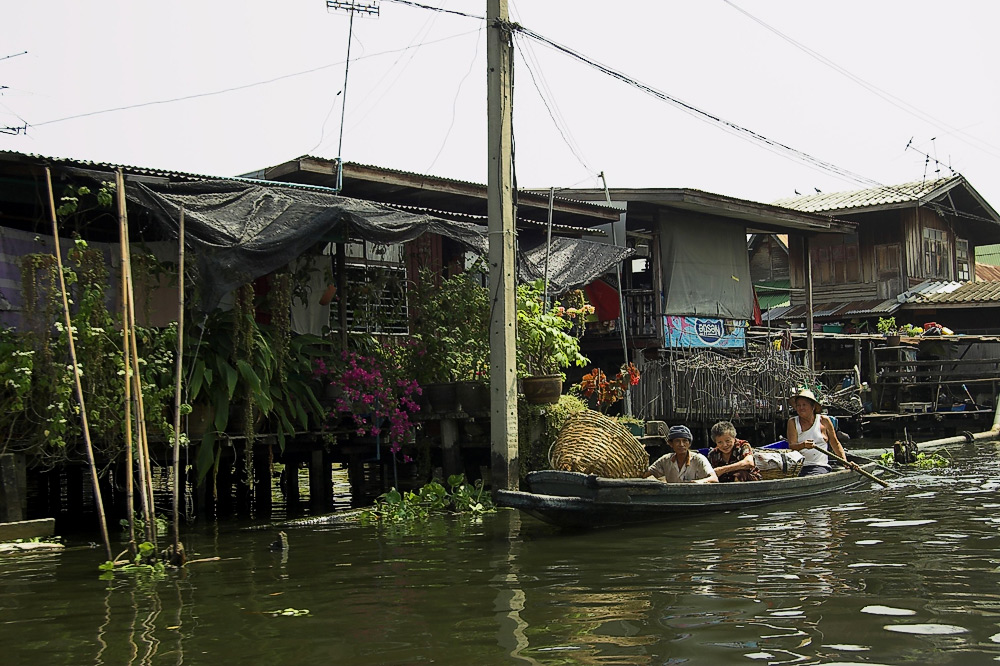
{"x": 240, "y": 231}
{"x": 706, "y": 272}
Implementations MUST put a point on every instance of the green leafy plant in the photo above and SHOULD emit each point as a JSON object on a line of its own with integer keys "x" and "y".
{"x": 408, "y": 507}
{"x": 450, "y": 324}
{"x": 40, "y": 412}
{"x": 144, "y": 565}
{"x": 887, "y": 326}
{"x": 236, "y": 372}
{"x": 538, "y": 426}
{"x": 923, "y": 461}
{"x": 545, "y": 345}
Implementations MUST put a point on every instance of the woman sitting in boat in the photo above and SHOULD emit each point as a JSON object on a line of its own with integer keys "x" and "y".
{"x": 810, "y": 432}
{"x": 683, "y": 465}
{"x": 732, "y": 458}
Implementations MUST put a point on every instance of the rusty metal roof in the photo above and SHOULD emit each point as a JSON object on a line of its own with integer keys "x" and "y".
{"x": 986, "y": 272}
{"x": 876, "y": 196}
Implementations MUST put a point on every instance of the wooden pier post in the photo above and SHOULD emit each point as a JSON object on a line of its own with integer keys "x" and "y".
{"x": 13, "y": 488}
{"x": 451, "y": 454}
{"x": 316, "y": 485}
{"x": 262, "y": 482}
{"x": 290, "y": 483}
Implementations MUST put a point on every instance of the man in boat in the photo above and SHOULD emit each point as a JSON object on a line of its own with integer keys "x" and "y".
{"x": 810, "y": 432}
{"x": 683, "y": 465}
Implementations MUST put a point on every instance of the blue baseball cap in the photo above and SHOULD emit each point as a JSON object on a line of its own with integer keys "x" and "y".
{"x": 679, "y": 431}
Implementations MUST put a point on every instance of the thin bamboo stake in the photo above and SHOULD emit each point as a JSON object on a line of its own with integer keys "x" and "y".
{"x": 131, "y": 403}
{"x": 129, "y": 463}
{"x": 146, "y": 472}
{"x": 76, "y": 369}
{"x": 178, "y": 552}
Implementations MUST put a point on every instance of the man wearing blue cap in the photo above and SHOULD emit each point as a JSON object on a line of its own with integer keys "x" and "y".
{"x": 683, "y": 465}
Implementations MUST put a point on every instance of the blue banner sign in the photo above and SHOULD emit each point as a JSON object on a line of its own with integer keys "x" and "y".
{"x": 701, "y": 332}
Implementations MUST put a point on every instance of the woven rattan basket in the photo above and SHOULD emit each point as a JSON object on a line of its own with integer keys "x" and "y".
{"x": 592, "y": 443}
{"x": 789, "y": 468}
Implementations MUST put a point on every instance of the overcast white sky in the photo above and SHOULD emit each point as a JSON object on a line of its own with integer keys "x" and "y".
{"x": 256, "y": 83}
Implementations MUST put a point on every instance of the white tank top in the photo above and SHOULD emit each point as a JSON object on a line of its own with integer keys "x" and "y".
{"x": 815, "y": 433}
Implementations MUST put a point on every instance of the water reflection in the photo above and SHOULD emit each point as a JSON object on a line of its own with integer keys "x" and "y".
{"x": 874, "y": 576}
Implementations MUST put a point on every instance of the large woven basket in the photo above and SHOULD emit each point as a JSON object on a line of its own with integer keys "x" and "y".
{"x": 789, "y": 468}
{"x": 592, "y": 443}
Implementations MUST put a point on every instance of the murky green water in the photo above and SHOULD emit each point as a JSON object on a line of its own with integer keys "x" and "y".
{"x": 907, "y": 575}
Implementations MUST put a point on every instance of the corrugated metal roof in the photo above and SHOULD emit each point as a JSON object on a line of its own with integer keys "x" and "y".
{"x": 986, "y": 272}
{"x": 14, "y": 156}
{"x": 954, "y": 293}
{"x": 875, "y": 196}
{"x": 835, "y": 310}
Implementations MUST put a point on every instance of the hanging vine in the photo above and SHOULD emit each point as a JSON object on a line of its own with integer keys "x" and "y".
{"x": 281, "y": 314}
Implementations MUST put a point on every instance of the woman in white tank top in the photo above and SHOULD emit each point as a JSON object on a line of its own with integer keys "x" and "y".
{"x": 809, "y": 431}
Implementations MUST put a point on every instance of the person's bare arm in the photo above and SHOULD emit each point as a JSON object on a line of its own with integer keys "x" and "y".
{"x": 745, "y": 463}
{"x": 834, "y": 442}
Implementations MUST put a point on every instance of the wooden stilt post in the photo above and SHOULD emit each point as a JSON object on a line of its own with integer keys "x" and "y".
{"x": 99, "y": 503}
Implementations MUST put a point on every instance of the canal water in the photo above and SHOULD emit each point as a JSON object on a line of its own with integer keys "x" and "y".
{"x": 905, "y": 575}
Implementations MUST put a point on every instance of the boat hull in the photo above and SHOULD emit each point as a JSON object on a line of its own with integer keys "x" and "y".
{"x": 572, "y": 499}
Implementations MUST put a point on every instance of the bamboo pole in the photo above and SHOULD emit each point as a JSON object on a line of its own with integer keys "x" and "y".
{"x": 129, "y": 462}
{"x": 178, "y": 552}
{"x": 141, "y": 408}
{"x": 76, "y": 370}
{"x": 142, "y": 448}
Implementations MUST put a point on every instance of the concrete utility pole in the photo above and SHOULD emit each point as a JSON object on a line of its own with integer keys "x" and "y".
{"x": 500, "y": 206}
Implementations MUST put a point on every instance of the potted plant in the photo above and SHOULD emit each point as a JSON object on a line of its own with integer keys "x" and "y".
{"x": 887, "y": 327}
{"x": 545, "y": 345}
{"x": 450, "y": 326}
{"x": 596, "y": 386}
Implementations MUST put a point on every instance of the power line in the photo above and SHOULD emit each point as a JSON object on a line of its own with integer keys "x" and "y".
{"x": 437, "y": 9}
{"x": 701, "y": 114}
{"x": 743, "y": 132}
{"x": 553, "y": 111}
{"x": 871, "y": 87}
{"x": 242, "y": 87}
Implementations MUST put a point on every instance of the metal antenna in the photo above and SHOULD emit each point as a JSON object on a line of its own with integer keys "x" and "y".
{"x": 352, "y": 7}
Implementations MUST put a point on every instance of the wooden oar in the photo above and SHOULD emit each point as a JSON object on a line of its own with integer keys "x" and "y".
{"x": 859, "y": 470}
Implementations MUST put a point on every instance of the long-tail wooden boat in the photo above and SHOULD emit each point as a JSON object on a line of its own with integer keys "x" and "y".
{"x": 572, "y": 499}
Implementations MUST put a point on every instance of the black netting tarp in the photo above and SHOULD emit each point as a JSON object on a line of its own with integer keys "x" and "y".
{"x": 573, "y": 262}
{"x": 240, "y": 231}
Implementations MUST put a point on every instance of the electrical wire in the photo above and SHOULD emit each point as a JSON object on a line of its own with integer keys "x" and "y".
{"x": 436, "y": 9}
{"x": 561, "y": 126}
{"x": 454, "y": 104}
{"x": 361, "y": 113}
{"x": 241, "y": 87}
{"x": 872, "y": 88}
{"x": 747, "y": 134}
